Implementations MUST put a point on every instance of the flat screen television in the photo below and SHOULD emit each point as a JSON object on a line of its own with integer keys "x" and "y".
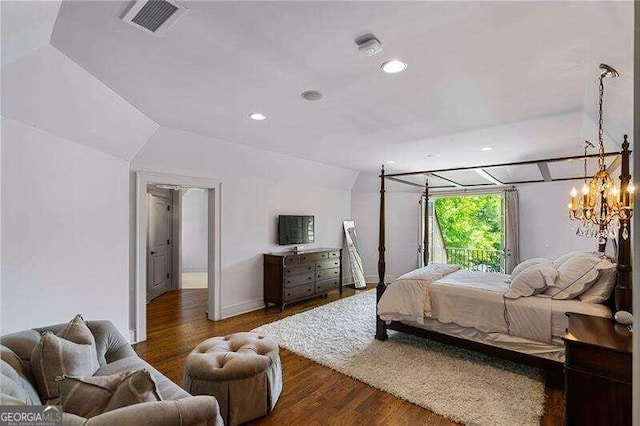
{"x": 295, "y": 230}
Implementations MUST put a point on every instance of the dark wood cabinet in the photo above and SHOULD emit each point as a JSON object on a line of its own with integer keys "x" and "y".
{"x": 290, "y": 277}
{"x": 597, "y": 371}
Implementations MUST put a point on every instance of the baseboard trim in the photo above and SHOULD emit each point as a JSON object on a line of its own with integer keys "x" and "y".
{"x": 194, "y": 269}
{"x": 242, "y": 308}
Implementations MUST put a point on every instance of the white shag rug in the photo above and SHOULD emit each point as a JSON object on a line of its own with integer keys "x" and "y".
{"x": 461, "y": 385}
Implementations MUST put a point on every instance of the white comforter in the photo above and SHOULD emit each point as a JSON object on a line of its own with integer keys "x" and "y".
{"x": 467, "y": 298}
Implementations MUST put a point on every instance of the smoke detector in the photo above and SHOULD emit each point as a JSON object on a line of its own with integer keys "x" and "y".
{"x": 369, "y": 44}
{"x": 153, "y": 16}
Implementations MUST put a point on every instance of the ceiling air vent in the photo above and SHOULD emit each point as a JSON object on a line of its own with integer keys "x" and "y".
{"x": 153, "y": 16}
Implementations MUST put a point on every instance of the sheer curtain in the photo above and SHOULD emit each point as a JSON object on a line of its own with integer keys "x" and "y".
{"x": 511, "y": 227}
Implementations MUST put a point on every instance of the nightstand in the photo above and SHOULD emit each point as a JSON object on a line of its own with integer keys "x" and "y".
{"x": 597, "y": 371}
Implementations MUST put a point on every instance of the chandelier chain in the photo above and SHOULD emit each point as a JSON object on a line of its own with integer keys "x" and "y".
{"x": 600, "y": 122}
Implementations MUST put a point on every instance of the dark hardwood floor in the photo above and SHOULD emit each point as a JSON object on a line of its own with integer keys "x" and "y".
{"x": 313, "y": 394}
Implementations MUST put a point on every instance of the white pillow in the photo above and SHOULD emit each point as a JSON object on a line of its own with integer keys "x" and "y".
{"x": 601, "y": 290}
{"x": 534, "y": 280}
{"x": 522, "y": 266}
{"x": 575, "y": 275}
{"x": 562, "y": 259}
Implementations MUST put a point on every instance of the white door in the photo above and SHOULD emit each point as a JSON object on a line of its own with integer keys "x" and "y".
{"x": 159, "y": 244}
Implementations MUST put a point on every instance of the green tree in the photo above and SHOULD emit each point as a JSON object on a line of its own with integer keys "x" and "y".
{"x": 473, "y": 223}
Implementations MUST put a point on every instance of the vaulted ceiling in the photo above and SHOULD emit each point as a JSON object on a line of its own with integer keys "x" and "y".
{"x": 517, "y": 76}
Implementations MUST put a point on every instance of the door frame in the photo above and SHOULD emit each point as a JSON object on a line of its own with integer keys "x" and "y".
{"x": 214, "y": 187}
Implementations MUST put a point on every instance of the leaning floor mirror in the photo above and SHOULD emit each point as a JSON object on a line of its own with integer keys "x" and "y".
{"x": 355, "y": 260}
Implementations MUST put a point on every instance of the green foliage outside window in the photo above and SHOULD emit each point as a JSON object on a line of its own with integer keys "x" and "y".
{"x": 472, "y": 230}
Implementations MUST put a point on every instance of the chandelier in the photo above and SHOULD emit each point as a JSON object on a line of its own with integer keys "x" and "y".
{"x": 604, "y": 204}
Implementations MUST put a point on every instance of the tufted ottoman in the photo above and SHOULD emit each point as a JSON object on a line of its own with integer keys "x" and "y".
{"x": 241, "y": 370}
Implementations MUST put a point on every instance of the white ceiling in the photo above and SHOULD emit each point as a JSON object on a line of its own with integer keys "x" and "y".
{"x": 48, "y": 91}
{"x": 25, "y": 27}
{"x": 516, "y": 76}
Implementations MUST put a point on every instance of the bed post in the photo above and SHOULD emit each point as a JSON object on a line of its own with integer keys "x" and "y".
{"x": 381, "y": 327}
{"x": 623, "y": 296}
{"x": 425, "y": 250}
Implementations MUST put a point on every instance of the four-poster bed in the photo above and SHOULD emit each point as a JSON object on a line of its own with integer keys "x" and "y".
{"x": 620, "y": 298}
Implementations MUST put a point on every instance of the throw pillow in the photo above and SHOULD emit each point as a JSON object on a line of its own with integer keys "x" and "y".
{"x": 70, "y": 352}
{"x": 522, "y": 266}
{"x": 91, "y": 396}
{"x": 575, "y": 275}
{"x": 533, "y": 280}
{"x": 601, "y": 290}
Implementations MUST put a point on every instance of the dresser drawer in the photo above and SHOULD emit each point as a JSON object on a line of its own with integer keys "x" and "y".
{"x": 334, "y": 254}
{"x": 327, "y": 264}
{"x": 313, "y": 257}
{"x": 296, "y": 280}
{"x": 292, "y": 259}
{"x": 327, "y": 274}
{"x": 297, "y": 270}
{"x": 299, "y": 292}
{"x": 328, "y": 285}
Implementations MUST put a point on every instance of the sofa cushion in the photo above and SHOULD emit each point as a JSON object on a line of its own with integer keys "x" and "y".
{"x": 91, "y": 396}
{"x": 14, "y": 381}
{"x": 70, "y": 352}
{"x": 16, "y": 386}
{"x": 110, "y": 344}
{"x": 166, "y": 388}
{"x": 191, "y": 411}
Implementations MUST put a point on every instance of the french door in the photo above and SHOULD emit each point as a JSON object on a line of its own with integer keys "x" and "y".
{"x": 470, "y": 230}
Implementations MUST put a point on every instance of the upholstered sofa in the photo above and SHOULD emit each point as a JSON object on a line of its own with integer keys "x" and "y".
{"x": 115, "y": 355}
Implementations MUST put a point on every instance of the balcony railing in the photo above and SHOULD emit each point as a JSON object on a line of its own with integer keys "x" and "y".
{"x": 476, "y": 260}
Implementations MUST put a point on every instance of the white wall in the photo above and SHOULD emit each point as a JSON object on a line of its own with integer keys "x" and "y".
{"x": 545, "y": 228}
{"x": 65, "y": 216}
{"x": 402, "y": 225}
{"x": 194, "y": 230}
{"x": 257, "y": 185}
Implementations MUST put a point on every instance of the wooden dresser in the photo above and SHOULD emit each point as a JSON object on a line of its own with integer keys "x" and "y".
{"x": 597, "y": 372}
{"x": 289, "y": 277}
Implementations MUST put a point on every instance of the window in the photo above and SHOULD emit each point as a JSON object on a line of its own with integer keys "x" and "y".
{"x": 467, "y": 230}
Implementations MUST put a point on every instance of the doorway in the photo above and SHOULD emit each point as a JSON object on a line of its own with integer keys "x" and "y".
{"x": 159, "y": 230}
{"x": 193, "y": 238}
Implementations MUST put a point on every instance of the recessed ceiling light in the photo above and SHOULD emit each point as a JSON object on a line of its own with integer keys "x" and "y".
{"x": 391, "y": 162}
{"x": 257, "y": 116}
{"x": 432, "y": 155}
{"x": 394, "y": 66}
{"x": 486, "y": 148}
